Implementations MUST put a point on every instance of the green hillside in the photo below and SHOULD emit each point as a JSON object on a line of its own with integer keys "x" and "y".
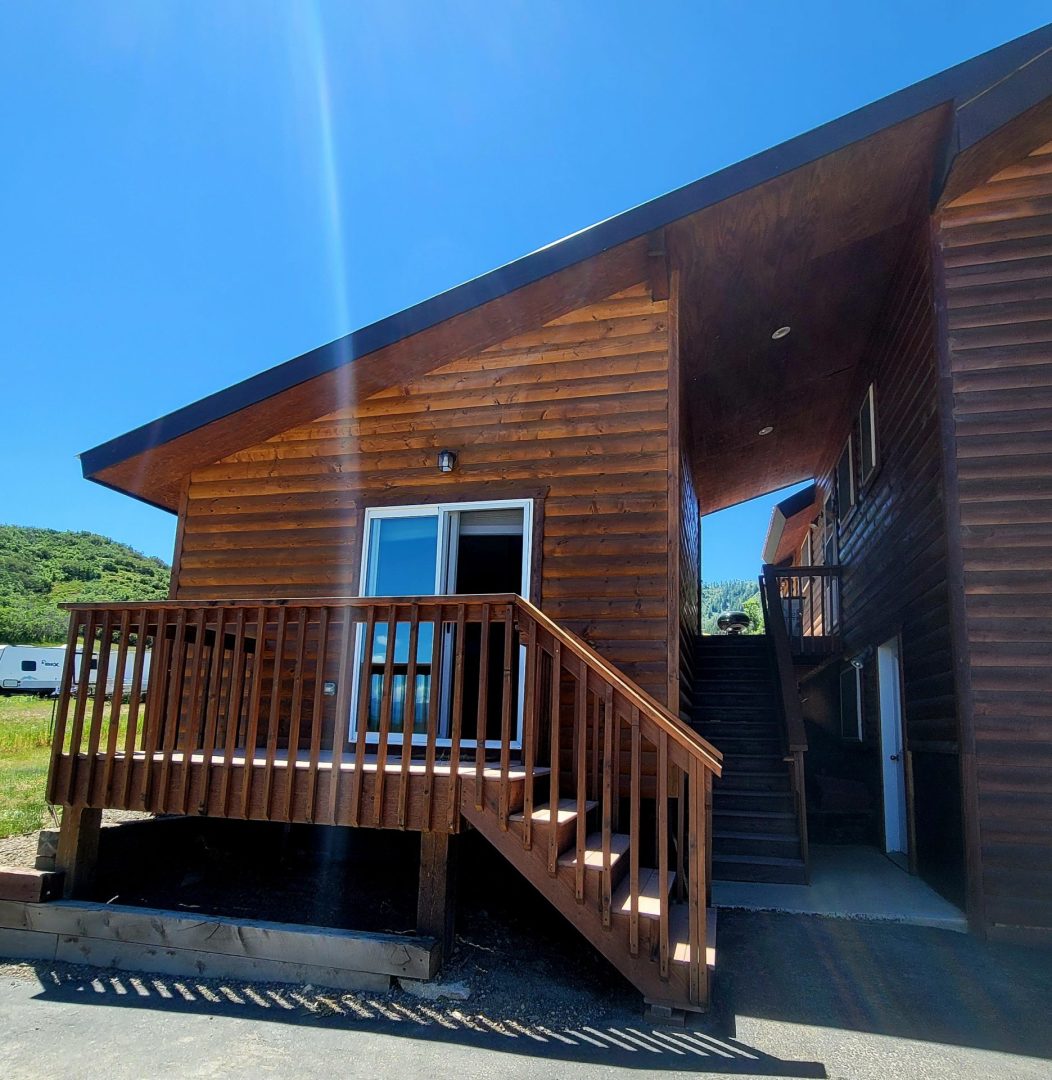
{"x": 41, "y": 568}
{"x": 721, "y": 596}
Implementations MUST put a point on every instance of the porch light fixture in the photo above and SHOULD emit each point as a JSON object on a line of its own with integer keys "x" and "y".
{"x": 447, "y": 460}
{"x": 765, "y": 430}
{"x": 781, "y": 332}
{"x": 328, "y": 689}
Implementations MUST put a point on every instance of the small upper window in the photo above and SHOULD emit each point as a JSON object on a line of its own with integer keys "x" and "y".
{"x": 845, "y": 482}
{"x": 867, "y": 430}
{"x": 29, "y": 665}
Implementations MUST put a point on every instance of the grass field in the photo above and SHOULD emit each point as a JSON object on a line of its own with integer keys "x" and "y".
{"x": 24, "y": 753}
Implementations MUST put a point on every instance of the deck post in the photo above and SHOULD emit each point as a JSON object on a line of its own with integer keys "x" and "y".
{"x": 78, "y": 848}
{"x": 436, "y": 895}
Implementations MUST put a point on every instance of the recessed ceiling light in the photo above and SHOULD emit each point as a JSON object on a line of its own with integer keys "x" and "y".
{"x": 765, "y": 430}
{"x": 781, "y": 332}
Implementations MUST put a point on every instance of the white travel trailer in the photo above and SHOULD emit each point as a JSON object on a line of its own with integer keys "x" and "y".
{"x": 111, "y": 674}
{"x": 30, "y": 669}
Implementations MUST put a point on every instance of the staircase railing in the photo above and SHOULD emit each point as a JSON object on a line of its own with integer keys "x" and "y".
{"x": 795, "y": 733}
{"x": 243, "y": 709}
{"x": 808, "y": 606}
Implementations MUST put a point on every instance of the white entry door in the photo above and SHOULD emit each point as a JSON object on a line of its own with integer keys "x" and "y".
{"x": 893, "y": 757}
{"x": 435, "y": 550}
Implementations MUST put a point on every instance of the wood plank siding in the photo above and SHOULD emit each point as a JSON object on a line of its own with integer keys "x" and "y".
{"x": 574, "y": 414}
{"x": 892, "y": 549}
{"x": 996, "y": 254}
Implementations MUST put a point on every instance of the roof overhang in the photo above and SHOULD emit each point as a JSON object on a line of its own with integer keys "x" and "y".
{"x": 979, "y": 99}
{"x": 789, "y": 523}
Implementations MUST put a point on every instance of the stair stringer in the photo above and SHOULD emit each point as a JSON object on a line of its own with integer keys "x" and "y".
{"x": 586, "y": 917}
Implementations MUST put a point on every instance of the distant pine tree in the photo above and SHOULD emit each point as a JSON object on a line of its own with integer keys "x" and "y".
{"x": 41, "y": 568}
{"x": 720, "y": 596}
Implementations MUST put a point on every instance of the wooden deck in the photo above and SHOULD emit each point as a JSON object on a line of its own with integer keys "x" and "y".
{"x": 510, "y": 714}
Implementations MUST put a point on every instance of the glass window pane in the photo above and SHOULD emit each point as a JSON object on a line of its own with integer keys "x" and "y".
{"x": 402, "y": 553}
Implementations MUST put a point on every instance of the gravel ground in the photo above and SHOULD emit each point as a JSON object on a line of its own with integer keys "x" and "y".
{"x": 22, "y": 850}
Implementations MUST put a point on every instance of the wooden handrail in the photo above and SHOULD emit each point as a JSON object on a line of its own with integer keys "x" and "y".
{"x": 802, "y": 571}
{"x": 671, "y": 725}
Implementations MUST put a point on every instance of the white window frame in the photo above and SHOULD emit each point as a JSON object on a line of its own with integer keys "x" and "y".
{"x": 856, "y": 672}
{"x": 445, "y": 555}
{"x": 842, "y": 510}
{"x": 870, "y": 404}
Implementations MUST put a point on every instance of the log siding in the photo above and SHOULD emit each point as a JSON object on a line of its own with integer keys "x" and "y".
{"x": 996, "y": 253}
{"x": 578, "y": 408}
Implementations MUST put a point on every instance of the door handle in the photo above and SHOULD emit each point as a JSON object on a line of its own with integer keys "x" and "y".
{"x": 894, "y": 757}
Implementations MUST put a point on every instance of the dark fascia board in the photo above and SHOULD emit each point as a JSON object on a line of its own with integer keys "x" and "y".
{"x": 976, "y": 83}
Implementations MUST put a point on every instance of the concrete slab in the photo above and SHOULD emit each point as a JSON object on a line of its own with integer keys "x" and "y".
{"x": 849, "y": 882}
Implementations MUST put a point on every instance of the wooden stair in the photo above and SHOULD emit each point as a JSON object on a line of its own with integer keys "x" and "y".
{"x": 603, "y": 909}
{"x": 756, "y": 834}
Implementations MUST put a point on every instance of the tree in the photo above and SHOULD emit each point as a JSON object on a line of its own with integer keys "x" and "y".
{"x": 752, "y": 608}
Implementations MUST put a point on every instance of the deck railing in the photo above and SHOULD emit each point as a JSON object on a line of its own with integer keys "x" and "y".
{"x": 364, "y": 711}
{"x": 809, "y": 603}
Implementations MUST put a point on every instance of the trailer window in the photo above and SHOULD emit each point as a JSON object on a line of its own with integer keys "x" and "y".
{"x": 29, "y": 665}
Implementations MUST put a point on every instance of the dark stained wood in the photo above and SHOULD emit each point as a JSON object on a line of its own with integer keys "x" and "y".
{"x": 78, "y": 848}
{"x": 813, "y": 250}
{"x": 157, "y": 474}
{"x": 572, "y": 415}
{"x": 436, "y": 896}
{"x": 994, "y": 242}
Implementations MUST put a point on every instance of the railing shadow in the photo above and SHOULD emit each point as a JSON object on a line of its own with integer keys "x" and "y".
{"x": 623, "y": 1041}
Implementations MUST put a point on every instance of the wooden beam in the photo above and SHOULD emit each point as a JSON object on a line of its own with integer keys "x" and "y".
{"x": 78, "y": 848}
{"x": 436, "y": 896}
{"x": 29, "y": 886}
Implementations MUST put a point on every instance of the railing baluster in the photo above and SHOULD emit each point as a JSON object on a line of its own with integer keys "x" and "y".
{"x": 254, "y": 705}
{"x": 171, "y": 715}
{"x": 153, "y": 712}
{"x": 504, "y": 805}
{"x": 696, "y": 887}
{"x": 408, "y": 716}
{"x": 580, "y": 723}
{"x": 98, "y": 707}
{"x": 318, "y": 709}
{"x": 662, "y": 852}
{"x": 76, "y": 736}
{"x": 433, "y": 715}
{"x": 610, "y": 765}
{"x": 134, "y": 699}
{"x": 456, "y": 720}
{"x": 384, "y": 733}
{"x": 343, "y": 717}
{"x": 274, "y": 715}
{"x": 636, "y": 779}
{"x": 296, "y": 719}
{"x": 529, "y": 732}
{"x": 554, "y": 723}
{"x": 233, "y": 712}
{"x": 210, "y": 708}
{"x": 195, "y": 708}
{"x": 481, "y": 711}
{"x": 58, "y": 736}
{"x": 116, "y": 703}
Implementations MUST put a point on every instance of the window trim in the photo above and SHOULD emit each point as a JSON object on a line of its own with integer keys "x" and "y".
{"x": 869, "y": 402}
{"x": 844, "y": 511}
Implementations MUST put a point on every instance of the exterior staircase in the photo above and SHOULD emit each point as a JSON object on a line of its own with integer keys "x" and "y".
{"x": 756, "y": 833}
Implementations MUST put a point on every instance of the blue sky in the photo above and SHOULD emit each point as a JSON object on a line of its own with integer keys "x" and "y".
{"x": 192, "y": 192}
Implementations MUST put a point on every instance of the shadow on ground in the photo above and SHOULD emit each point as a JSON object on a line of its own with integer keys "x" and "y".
{"x": 538, "y": 989}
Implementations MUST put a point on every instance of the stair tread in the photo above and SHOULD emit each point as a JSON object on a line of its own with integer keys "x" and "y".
{"x": 773, "y": 837}
{"x": 593, "y": 851}
{"x": 565, "y": 811}
{"x": 649, "y": 905}
{"x": 758, "y": 860}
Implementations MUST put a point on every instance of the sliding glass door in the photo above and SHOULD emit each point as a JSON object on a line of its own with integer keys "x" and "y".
{"x": 439, "y": 550}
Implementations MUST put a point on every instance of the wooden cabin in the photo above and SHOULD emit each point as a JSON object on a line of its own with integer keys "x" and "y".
{"x": 444, "y": 573}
